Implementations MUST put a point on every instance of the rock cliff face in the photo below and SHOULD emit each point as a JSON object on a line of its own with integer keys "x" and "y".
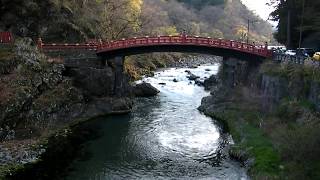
{"x": 270, "y": 82}
{"x": 37, "y": 97}
{"x": 233, "y": 72}
{"x": 273, "y": 89}
{"x": 314, "y": 94}
{"x": 277, "y": 82}
{"x": 94, "y": 82}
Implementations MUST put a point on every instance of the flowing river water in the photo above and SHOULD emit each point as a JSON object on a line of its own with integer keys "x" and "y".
{"x": 165, "y": 137}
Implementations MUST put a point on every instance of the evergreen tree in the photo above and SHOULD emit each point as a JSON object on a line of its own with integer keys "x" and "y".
{"x": 295, "y": 17}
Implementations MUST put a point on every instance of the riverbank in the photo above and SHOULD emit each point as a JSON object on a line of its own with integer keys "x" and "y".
{"x": 273, "y": 119}
{"x": 241, "y": 116}
{"x": 37, "y": 100}
{"x": 58, "y": 149}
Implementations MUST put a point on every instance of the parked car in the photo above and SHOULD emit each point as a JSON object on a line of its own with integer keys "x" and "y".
{"x": 290, "y": 52}
{"x": 307, "y": 52}
{"x": 316, "y": 56}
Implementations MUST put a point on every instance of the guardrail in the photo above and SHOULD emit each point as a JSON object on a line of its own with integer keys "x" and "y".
{"x": 302, "y": 60}
{"x": 288, "y": 58}
{"x": 92, "y": 46}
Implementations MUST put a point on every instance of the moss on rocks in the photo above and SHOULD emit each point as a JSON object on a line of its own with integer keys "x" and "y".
{"x": 277, "y": 143}
{"x": 7, "y": 60}
{"x": 252, "y": 147}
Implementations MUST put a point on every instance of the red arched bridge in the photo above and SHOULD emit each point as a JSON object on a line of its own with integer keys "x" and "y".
{"x": 182, "y": 43}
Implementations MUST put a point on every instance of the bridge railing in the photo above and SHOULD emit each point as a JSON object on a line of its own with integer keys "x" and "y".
{"x": 6, "y": 38}
{"x": 92, "y": 46}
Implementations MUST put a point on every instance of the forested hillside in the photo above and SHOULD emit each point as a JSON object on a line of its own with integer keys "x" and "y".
{"x": 201, "y": 3}
{"x": 70, "y": 20}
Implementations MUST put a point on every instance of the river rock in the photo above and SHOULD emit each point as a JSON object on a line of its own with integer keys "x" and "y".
{"x": 145, "y": 90}
{"x": 199, "y": 82}
{"x": 107, "y": 105}
{"x": 210, "y": 82}
{"x": 192, "y": 77}
{"x": 241, "y": 156}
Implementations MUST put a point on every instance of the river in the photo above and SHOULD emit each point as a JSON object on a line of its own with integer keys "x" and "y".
{"x": 165, "y": 137}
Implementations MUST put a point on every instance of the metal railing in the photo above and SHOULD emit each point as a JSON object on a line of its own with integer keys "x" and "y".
{"x": 296, "y": 59}
{"x": 280, "y": 57}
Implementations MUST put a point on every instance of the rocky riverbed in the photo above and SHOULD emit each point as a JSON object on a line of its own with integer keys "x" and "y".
{"x": 194, "y": 61}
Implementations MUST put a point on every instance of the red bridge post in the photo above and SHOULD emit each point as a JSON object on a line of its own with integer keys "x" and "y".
{"x": 99, "y": 44}
{"x": 39, "y": 43}
{"x": 6, "y": 38}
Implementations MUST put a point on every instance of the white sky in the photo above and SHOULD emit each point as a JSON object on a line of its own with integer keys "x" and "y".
{"x": 260, "y": 8}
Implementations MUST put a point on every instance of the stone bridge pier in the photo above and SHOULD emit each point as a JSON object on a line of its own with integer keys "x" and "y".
{"x": 120, "y": 78}
{"x": 237, "y": 71}
{"x": 99, "y": 76}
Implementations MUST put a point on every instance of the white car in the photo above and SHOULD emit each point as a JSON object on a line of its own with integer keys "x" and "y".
{"x": 290, "y": 52}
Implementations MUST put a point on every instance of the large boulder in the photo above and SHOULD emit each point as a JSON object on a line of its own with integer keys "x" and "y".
{"x": 210, "y": 82}
{"x": 107, "y": 105}
{"x": 199, "y": 82}
{"x": 191, "y": 76}
{"x": 145, "y": 90}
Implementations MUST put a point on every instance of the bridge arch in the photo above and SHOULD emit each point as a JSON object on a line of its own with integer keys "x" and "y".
{"x": 189, "y": 44}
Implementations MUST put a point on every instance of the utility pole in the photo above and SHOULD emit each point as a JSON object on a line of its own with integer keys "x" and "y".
{"x": 289, "y": 25}
{"x": 248, "y": 29}
{"x": 301, "y": 23}
{"x": 289, "y": 30}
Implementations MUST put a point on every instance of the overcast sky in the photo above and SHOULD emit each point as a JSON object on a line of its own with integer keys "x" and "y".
{"x": 260, "y": 8}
